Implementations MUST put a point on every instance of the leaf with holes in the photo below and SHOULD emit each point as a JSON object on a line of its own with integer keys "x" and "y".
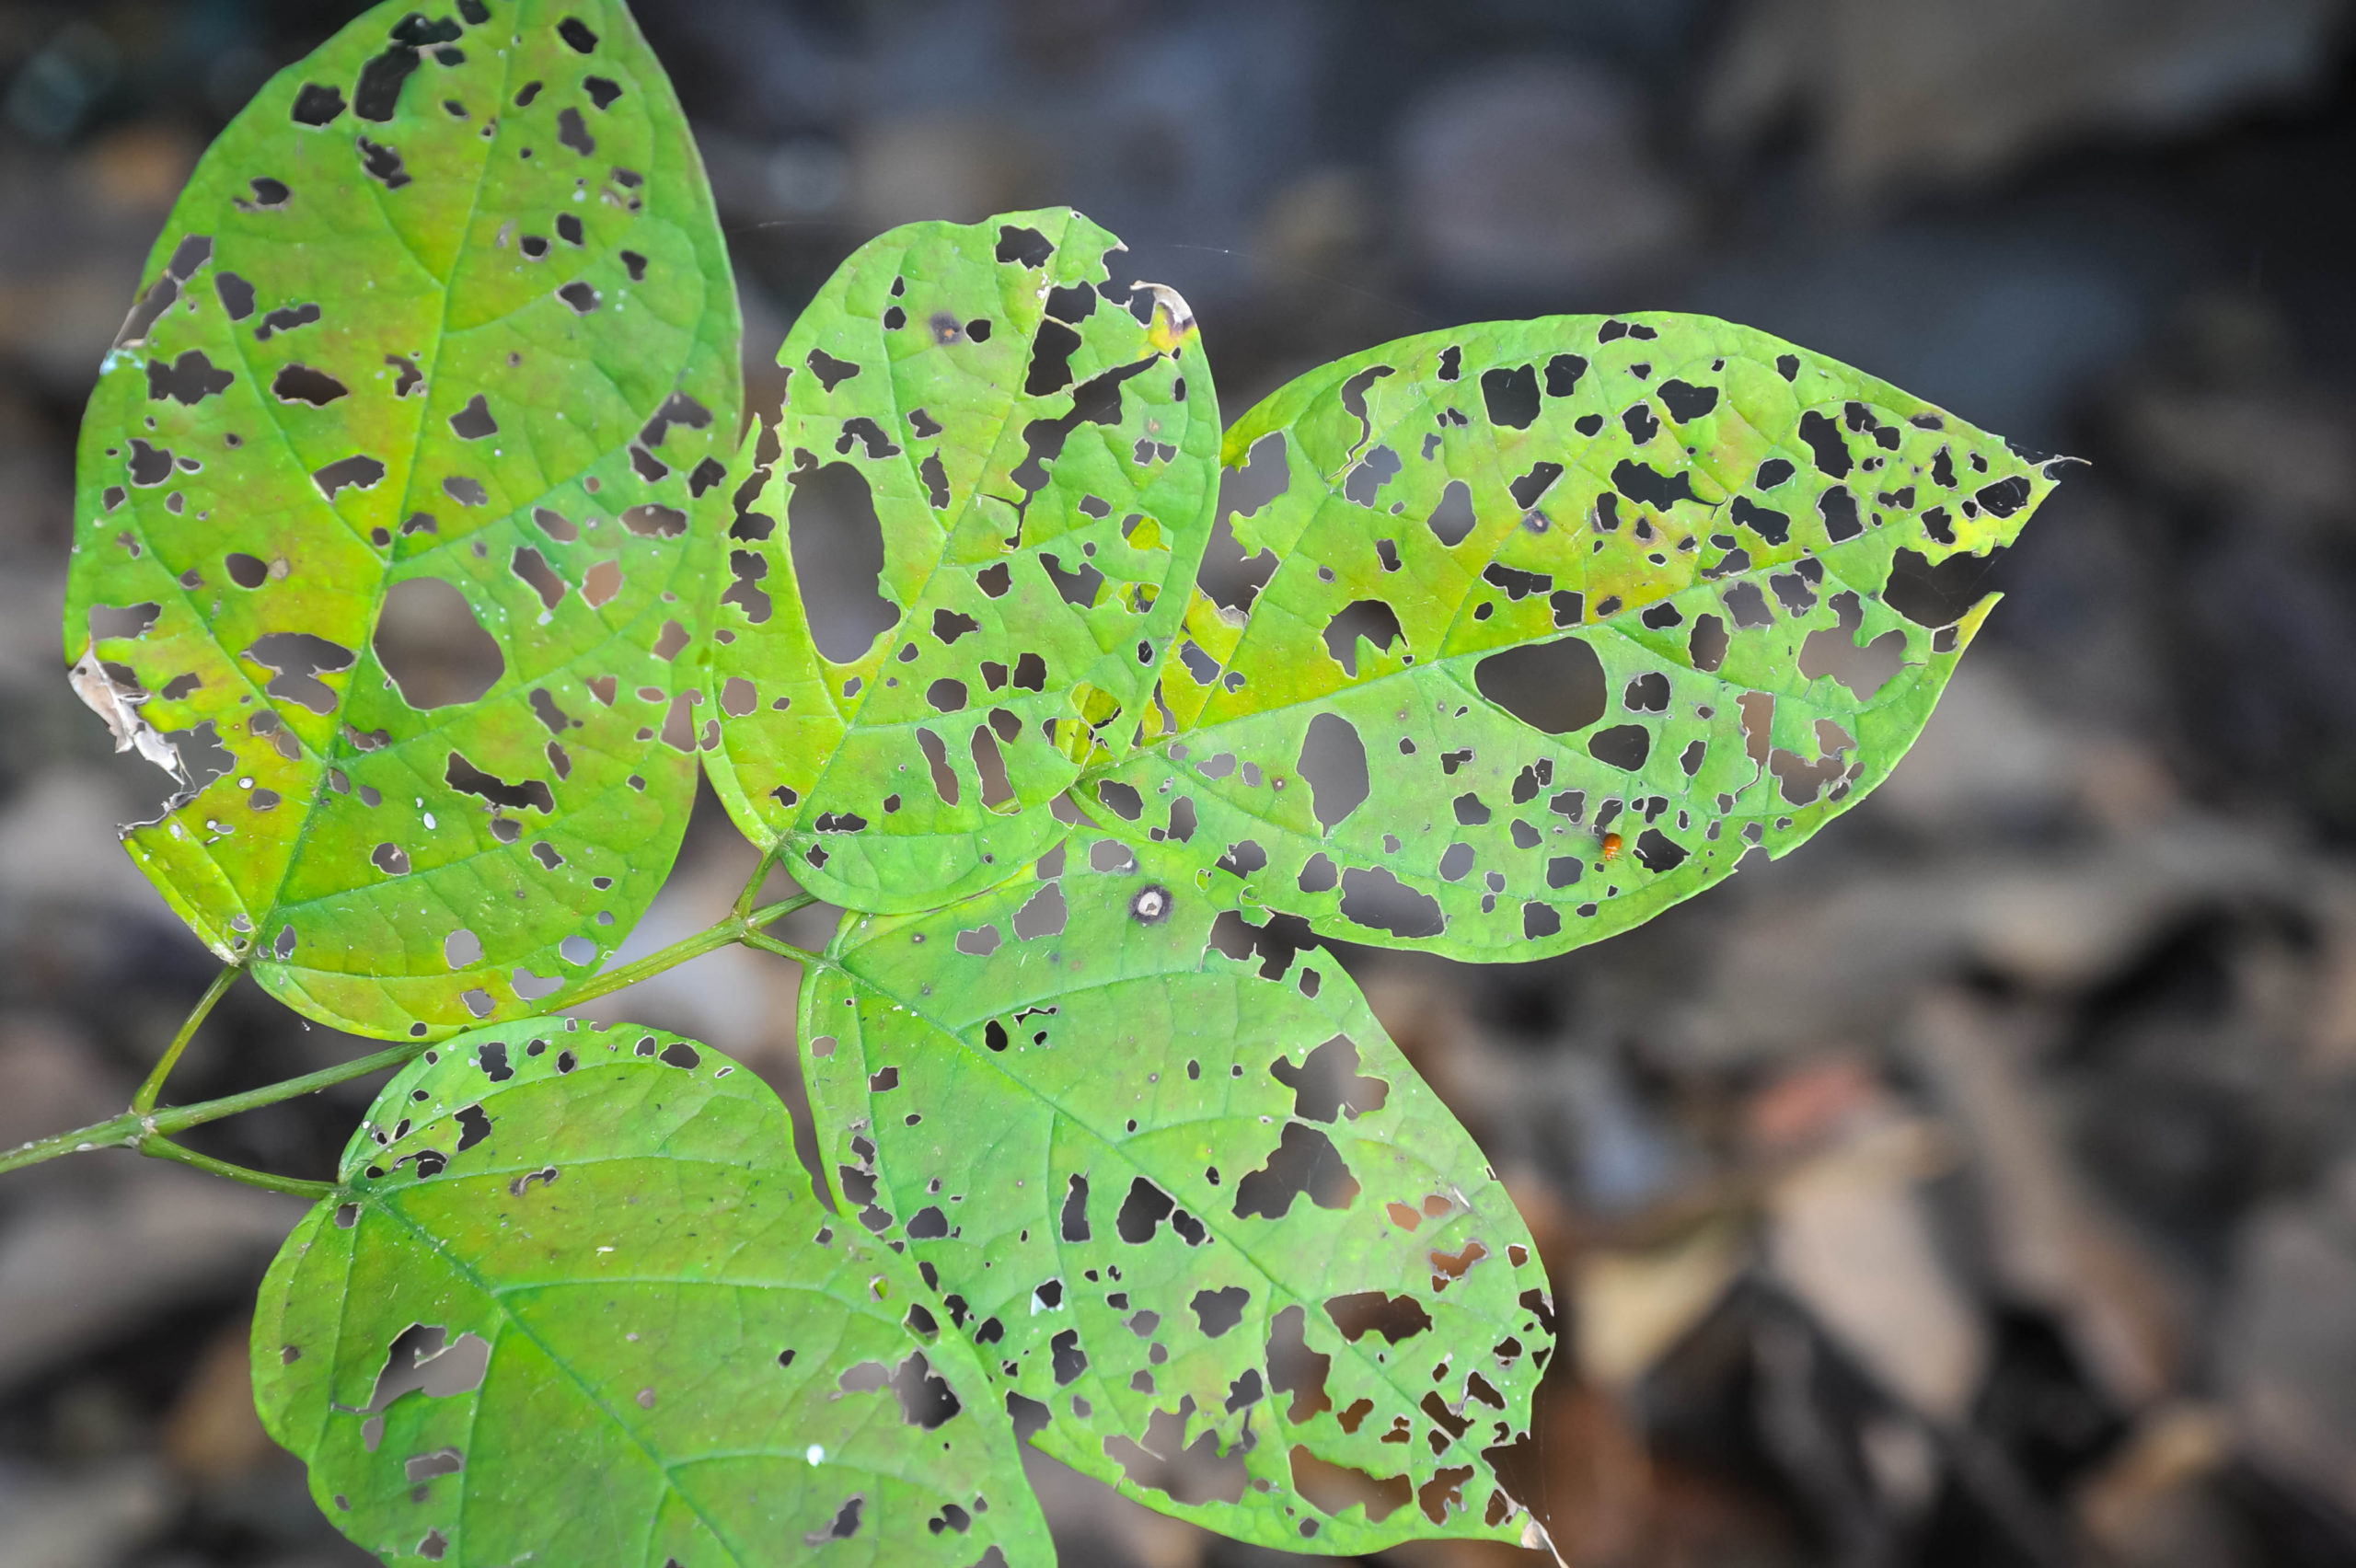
{"x": 574, "y": 1303}
{"x": 385, "y": 540}
{"x": 1196, "y": 1206}
{"x": 1565, "y": 618}
{"x": 1027, "y": 443}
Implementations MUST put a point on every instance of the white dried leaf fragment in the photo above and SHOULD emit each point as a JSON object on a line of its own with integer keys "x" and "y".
{"x": 120, "y": 708}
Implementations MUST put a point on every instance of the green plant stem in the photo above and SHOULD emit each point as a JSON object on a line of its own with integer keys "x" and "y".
{"x": 132, "y": 1129}
{"x": 144, "y": 1100}
{"x": 753, "y": 885}
{"x": 787, "y": 950}
{"x": 164, "y": 1148}
{"x": 147, "y": 1130}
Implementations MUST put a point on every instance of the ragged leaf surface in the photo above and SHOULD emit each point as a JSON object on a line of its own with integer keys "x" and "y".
{"x": 576, "y": 1304}
{"x": 1037, "y": 439}
{"x": 384, "y": 535}
{"x": 1565, "y": 616}
{"x": 1204, "y": 1213}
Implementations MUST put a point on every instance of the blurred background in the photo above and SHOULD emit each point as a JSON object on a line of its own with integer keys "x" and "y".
{"x": 1977, "y": 1187}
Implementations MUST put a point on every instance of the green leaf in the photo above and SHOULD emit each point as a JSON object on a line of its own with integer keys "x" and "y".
{"x": 1565, "y": 617}
{"x": 439, "y": 353}
{"x": 1037, "y": 439}
{"x": 575, "y": 1305}
{"x": 1193, "y": 1205}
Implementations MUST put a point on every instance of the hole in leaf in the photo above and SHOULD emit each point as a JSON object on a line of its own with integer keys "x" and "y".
{"x": 1331, "y": 1488}
{"x": 1304, "y": 1161}
{"x": 837, "y": 545}
{"x": 1216, "y": 1311}
{"x": 299, "y": 658}
{"x": 432, "y": 646}
{"x": 469, "y": 780}
{"x": 1372, "y": 896}
{"x": 1294, "y": 1368}
{"x": 1510, "y": 396}
{"x": 1333, "y": 761}
{"x": 1396, "y": 1318}
{"x": 1937, "y": 595}
{"x": 1451, "y": 520}
{"x": 1370, "y": 618}
{"x": 1328, "y": 1082}
{"x": 1555, "y": 687}
{"x": 1623, "y": 746}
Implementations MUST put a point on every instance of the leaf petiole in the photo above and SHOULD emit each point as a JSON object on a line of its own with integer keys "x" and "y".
{"x": 132, "y": 1129}
{"x": 145, "y": 1129}
{"x": 787, "y": 950}
{"x": 145, "y": 1100}
{"x": 164, "y": 1148}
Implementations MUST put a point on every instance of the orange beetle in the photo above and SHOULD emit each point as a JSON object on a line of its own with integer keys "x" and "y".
{"x": 1611, "y": 848}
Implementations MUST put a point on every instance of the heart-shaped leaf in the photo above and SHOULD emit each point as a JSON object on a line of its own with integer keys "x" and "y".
{"x": 575, "y": 1304}
{"x": 1198, "y": 1209}
{"x": 1561, "y": 619}
{"x": 1036, "y": 440}
{"x": 386, "y": 538}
